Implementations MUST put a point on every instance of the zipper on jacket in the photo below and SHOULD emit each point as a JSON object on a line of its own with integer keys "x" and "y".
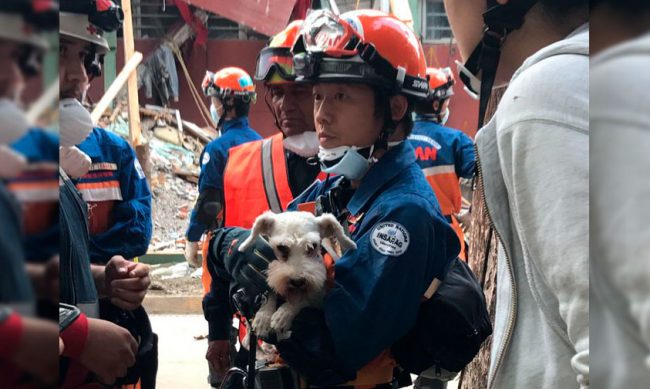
{"x": 513, "y": 289}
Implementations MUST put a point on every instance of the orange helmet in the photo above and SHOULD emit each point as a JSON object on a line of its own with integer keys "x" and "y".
{"x": 365, "y": 46}
{"x": 230, "y": 81}
{"x": 441, "y": 81}
{"x": 275, "y": 62}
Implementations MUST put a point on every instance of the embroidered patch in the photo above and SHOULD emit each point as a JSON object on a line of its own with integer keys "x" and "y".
{"x": 390, "y": 238}
{"x": 206, "y": 158}
{"x": 103, "y": 166}
{"x": 138, "y": 169}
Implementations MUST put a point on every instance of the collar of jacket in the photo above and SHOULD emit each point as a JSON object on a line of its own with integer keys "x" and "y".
{"x": 426, "y": 118}
{"x": 90, "y": 145}
{"x": 237, "y": 123}
{"x": 389, "y": 166}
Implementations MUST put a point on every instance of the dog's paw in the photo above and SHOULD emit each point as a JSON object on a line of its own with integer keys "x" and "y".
{"x": 282, "y": 318}
{"x": 262, "y": 324}
{"x": 267, "y": 352}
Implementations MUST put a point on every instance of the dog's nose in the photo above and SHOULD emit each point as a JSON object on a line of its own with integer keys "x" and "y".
{"x": 298, "y": 282}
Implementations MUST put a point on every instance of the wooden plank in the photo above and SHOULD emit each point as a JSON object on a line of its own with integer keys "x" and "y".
{"x": 116, "y": 86}
{"x": 132, "y": 83}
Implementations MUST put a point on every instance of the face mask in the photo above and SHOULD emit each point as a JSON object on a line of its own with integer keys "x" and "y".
{"x": 214, "y": 114}
{"x": 13, "y": 122}
{"x": 12, "y": 164}
{"x": 305, "y": 144}
{"x": 345, "y": 161}
{"x": 74, "y": 121}
{"x": 74, "y": 162}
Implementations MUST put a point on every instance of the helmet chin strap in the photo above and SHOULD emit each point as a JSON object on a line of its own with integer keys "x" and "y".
{"x": 275, "y": 115}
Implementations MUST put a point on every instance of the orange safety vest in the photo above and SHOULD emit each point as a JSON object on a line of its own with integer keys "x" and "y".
{"x": 255, "y": 180}
{"x": 444, "y": 182}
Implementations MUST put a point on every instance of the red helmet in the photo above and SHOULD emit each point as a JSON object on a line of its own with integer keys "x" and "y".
{"x": 230, "y": 81}
{"x": 364, "y": 46}
{"x": 441, "y": 81}
{"x": 275, "y": 62}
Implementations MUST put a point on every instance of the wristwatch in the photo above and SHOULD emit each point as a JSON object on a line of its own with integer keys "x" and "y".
{"x": 67, "y": 315}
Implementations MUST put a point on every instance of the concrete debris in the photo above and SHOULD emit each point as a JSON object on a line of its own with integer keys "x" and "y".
{"x": 175, "y": 146}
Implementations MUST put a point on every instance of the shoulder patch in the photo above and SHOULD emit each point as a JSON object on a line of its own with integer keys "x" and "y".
{"x": 390, "y": 238}
{"x": 138, "y": 169}
{"x": 206, "y": 158}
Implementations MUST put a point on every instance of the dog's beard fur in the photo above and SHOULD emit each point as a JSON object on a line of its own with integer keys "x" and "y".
{"x": 312, "y": 271}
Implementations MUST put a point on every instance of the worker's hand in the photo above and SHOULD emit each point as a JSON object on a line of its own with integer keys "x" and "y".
{"x": 218, "y": 356}
{"x": 255, "y": 261}
{"x": 109, "y": 350}
{"x": 73, "y": 161}
{"x": 192, "y": 254}
{"x": 465, "y": 218}
{"x": 126, "y": 282}
{"x": 37, "y": 353}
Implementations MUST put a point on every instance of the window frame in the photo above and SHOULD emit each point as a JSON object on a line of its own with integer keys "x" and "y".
{"x": 423, "y": 26}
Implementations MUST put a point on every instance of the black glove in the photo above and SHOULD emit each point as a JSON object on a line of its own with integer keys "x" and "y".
{"x": 246, "y": 269}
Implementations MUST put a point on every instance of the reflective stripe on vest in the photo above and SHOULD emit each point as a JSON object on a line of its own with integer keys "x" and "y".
{"x": 246, "y": 186}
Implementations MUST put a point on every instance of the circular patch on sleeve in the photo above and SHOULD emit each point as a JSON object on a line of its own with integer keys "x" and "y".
{"x": 390, "y": 238}
{"x": 206, "y": 158}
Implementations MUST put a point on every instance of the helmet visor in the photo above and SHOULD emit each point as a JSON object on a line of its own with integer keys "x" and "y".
{"x": 278, "y": 59}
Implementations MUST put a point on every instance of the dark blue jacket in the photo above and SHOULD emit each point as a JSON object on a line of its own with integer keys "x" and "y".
{"x": 403, "y": 243}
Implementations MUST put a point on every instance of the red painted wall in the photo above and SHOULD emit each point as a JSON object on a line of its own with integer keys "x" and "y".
{"x": 221, "y": 53}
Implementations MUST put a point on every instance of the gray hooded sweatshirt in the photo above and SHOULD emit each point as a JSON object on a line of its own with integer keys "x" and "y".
{"x": 534, "y": 160}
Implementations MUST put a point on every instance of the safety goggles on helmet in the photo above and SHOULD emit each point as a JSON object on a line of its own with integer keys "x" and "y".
{"x": 211, "y": 89}
{"x": 274, "y": 59}
{"x": 444, "y": 91}
{"x": 329, "y": 48}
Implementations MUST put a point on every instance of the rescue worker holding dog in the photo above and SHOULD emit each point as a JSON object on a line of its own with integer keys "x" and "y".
{"x": 265, "y": 175}
{"x": 367, "y": 69}
{"x": 444, "y": 154}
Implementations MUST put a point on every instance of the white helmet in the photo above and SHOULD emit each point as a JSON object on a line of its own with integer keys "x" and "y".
{"x": 77, "y": 26}
{"x": 13, "y": 27}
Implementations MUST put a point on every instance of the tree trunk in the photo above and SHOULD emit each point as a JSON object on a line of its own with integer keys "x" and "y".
{"x": 482, "y": 259}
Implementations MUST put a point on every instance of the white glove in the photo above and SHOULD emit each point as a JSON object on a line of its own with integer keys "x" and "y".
{"x": 73, "y": 161}
{"x": 192, "y": 254}
{"x": 11, "y": 162}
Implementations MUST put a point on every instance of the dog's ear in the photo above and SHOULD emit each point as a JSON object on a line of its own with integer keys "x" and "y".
{"x": 263, "y": 226}
{"x": 329, "y": 227}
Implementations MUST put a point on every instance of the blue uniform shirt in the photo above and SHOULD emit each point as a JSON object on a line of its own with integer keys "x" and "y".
{"x": 403, "y": 243}
{"x": 439, "y": 146}
{"x": 213, "y": 163}
{"x": 116, "y": 175}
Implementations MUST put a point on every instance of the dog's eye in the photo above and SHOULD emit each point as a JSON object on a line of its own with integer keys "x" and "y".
{"x": 283, "y": 250}
{"x": 312, "y": 250}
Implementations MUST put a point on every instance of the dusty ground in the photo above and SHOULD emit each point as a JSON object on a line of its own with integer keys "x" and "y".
{"x": 181, "y": 286}
{"x": 181, "y": 349}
